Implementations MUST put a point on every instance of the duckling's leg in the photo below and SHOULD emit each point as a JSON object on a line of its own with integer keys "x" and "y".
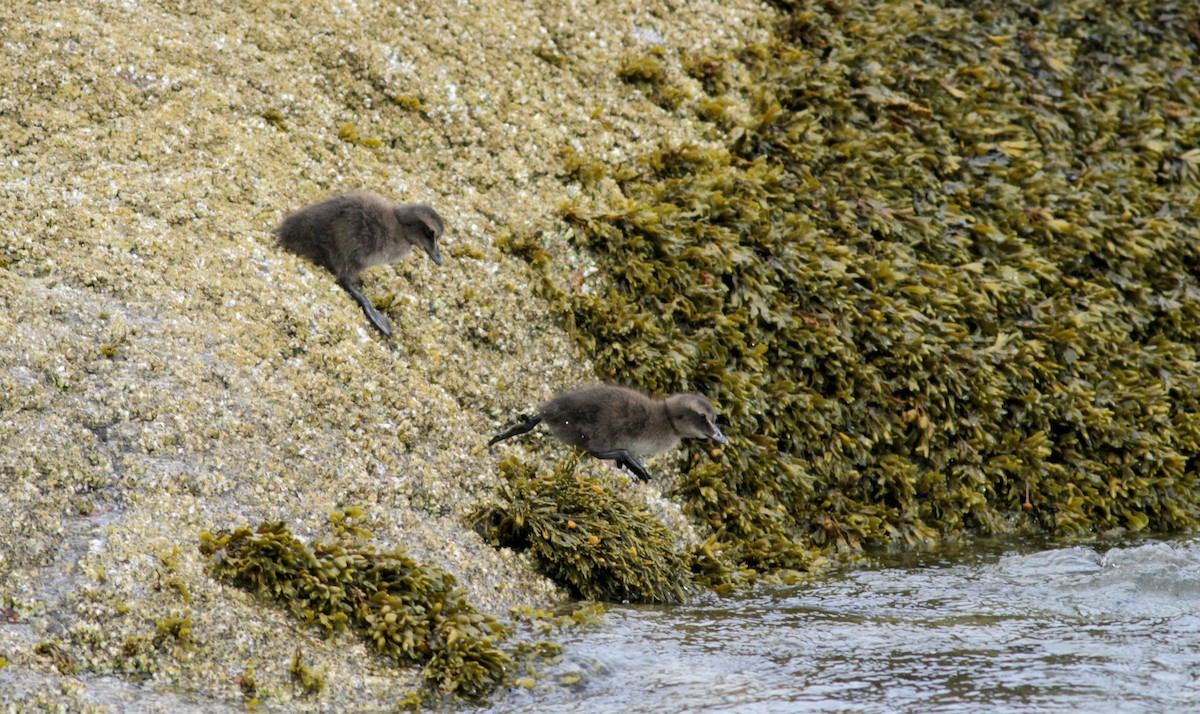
{"x": 377, "y": 319}
{"x": 521, "y": 428}
{"x": 626, "y": 459}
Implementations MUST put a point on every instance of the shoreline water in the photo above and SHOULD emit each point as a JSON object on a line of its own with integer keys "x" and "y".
{"x": 1004, "y": 624}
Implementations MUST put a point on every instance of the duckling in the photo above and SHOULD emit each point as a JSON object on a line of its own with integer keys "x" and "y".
{"x": 622, "y": 424}
{"x": 349, "y": 233}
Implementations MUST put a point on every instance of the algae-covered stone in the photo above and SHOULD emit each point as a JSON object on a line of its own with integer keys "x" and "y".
{"x": 941, "y": 279}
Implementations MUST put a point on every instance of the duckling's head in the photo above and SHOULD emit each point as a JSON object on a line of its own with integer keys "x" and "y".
{"x": 693, "y": 416}
{"x": 422, "y": 227}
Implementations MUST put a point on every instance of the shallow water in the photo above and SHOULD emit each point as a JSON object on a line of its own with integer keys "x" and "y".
{"x": 996, "y": 626}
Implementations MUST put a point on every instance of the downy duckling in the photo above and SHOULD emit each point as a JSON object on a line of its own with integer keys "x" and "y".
{"x": 348, "y": 234}
{"x": 622, "y": 424}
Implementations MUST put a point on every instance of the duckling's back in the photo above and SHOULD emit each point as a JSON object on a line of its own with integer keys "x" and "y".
{"x": 340, "y": 233}
{"x": 601, "y": 418}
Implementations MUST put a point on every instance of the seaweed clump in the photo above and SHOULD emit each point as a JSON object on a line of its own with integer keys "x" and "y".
{"x": 649, "y": 71}
{"x": 583, "y": 537}
{"x": 408, "y": 612}
{"x": 349, "y": 133}
{"x": 310, "y": 682}
{"x": 943, "y": 279}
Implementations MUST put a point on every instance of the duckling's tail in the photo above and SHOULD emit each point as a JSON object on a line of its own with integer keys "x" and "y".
{"x": 527, "y": 425}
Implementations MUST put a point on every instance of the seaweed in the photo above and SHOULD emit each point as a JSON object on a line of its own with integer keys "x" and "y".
{"x": 310, "y": 682}
{"x": 711, "y": 70}
{"x": 405, "y": 611}
{"x": 550, "y": 55}
{"x": 649, "y": 71}
{"x": 943, "y": 279}
{"x": 408, "y": 102}
{"x": 349, "y": 133}
{"x": 173, "y": 628}
{"x": 58, "y": 656}
{"x": 583, "y": 537}
{"x": 275, "y": 118}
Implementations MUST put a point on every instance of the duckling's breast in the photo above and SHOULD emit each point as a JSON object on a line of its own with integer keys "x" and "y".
{"x": 389, "y": 254}
{"x": 650, "y": 444}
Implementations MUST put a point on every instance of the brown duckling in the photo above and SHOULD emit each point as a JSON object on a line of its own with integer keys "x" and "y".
{"x": 348, "y": 234}
{"x": 622, "y": 424}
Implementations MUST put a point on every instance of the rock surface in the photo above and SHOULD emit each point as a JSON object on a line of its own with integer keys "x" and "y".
{"x": 165, "y": 369}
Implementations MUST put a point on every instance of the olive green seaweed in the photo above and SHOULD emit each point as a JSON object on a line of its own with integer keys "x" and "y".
{"x": 408, "y": 102}
{"x": 712, "y": 71}
{"x": 584, "y": 537}
{"x": 349, "y": 133}
{"x": 645, "y": 68}
{"x": 59, "y": 656}
{"x": 310, "y": 682}
{"x": 405, "y": 611}
{"x": 174, "y": 628}
{"x": 275, "y": 118}
{"x": 649, "y": 71}
{"x": 943, "y": 278}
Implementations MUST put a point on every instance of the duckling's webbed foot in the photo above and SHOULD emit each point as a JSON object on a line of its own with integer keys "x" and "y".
{"x": 625, "y": 459}
{"x": 521, "y": 428}
{"x": 377, "y": 319}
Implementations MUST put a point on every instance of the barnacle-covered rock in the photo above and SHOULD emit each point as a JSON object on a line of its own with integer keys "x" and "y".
{"x": 166, "y": 369}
